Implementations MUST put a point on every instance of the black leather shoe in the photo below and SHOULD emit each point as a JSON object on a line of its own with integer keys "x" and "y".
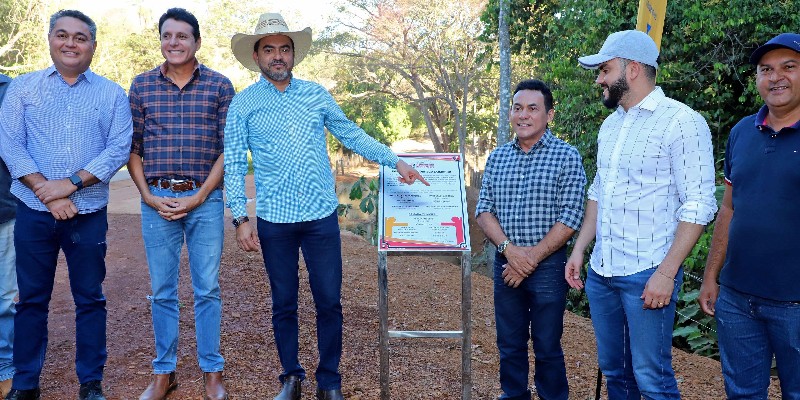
{"x": 333, "y": 394}
{"x": 91, "y": 391}
{"x": 291, "y": 388}
{"x": 29, "y": 394}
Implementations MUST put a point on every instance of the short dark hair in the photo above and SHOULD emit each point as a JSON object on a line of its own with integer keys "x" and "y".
{"x": 535, "y": 84}
{"x": 180, "y": 14}
{"x": 255, "y": 45}
{"x": 74, "y": 14}
{"x": 649, "y": 71}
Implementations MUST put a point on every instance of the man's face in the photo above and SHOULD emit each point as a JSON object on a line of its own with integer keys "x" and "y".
{"x": 778, "y": 79}
{"x": 528, "y": 117}
{"x": 275, "y": 57}
{"x": 178, "y": 45}
{"x": 613, "y": 79}
{"x": 71, "y": 46}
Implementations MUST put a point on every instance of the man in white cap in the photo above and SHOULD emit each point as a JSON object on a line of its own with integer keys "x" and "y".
{"x": 648, "y": 204}
{"x": 281, "y": 120}
{"x": 757, "y": 300}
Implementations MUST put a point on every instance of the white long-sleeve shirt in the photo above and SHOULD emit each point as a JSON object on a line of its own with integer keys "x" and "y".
{"x": 655, "y": 168}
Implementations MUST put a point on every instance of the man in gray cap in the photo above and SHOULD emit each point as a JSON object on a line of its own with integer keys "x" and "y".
{"x": 757, "y": 300}
{"x": 648, "y": 204}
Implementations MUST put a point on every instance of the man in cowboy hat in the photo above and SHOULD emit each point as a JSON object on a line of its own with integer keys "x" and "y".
{"x": 181, "y": 195}
{"x": 754, "y": 249}
{"x": 282, "y": 121}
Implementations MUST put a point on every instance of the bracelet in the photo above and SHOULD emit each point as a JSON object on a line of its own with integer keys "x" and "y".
{"x": 667, "y": 276}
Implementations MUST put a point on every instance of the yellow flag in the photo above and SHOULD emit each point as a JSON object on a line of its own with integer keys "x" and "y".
{"x": 651, "y": 19}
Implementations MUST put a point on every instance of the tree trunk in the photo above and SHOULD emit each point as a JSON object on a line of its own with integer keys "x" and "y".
{"x": 503, "y": 125}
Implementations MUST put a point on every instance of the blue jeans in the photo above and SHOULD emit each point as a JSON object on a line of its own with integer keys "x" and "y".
{"x": 634, "y": 345}
{"x": 751, "y": 330}
{"x": 163, "y": 240}
{"x": 322, "y": 251}
{"x": 8, "y": 291}
{"x": 38, "y": 237}
{"x": 533, "y": 311}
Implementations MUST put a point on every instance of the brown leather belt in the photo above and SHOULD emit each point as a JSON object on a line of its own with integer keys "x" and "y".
{"x": 175, "y": 184}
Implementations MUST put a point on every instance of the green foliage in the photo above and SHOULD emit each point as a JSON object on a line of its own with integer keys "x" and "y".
{"x": 704, "y": 56}
{"x": 23, "y": 47}
{"x": 386, "y": 119}
{"x": 694, "y": 330}
{"x": 704, "y": 63}
{"x": 368, "y": 193}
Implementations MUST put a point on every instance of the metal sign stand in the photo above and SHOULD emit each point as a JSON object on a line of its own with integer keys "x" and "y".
{"x": 465, "y": 333}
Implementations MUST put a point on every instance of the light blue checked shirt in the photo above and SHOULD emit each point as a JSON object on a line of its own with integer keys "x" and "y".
{"x": 285, "y": 132}
{"x": 50, "y": 127}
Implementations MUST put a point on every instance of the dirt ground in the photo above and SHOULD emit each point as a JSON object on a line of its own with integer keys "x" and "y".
{"x": 424, "y": 295}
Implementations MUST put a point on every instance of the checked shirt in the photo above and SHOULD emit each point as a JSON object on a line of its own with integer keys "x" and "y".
{"x": 179, "y": 131}
{"x": 530, "y": 192}
{"x": 285, "y": 132}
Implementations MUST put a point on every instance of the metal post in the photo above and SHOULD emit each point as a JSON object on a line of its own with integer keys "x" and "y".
{"x": 383, "y": 311}
{"x": 465, "y": 334}
{"x": 466, "y": 325}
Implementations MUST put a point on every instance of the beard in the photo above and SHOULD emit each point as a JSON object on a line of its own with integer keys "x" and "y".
{"x": 616, "y": 91}
{"x": 275, "y": 75}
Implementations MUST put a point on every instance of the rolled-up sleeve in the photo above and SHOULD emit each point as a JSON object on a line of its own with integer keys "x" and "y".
{"x": 118, "y": 144}
{"x": 485, "y": 197}
{"x": 571, "y": 186}
{"x": 692, "y": 162}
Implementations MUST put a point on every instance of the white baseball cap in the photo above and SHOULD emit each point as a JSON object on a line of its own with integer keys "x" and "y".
{"x": 632, "y": 45}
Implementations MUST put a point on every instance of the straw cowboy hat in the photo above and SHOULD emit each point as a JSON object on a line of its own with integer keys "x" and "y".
{"x": 269, "y": 24}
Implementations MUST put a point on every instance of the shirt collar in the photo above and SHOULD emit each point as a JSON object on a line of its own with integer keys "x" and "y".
{"x": 761, "y": 118}
{"x": 649, "y": 102}
{"x": 88, "y": 75}
{"x": 547, "y": 139}
{"x": 270, "y": 86}
{"x": 195, "y": 73}
{"x": 4, "y": 78}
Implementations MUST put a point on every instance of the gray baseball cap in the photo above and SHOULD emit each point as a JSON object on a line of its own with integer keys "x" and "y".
{"x": 632, "y": 45}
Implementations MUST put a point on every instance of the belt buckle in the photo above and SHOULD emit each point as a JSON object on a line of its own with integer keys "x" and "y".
{"x": 173, "y": 181}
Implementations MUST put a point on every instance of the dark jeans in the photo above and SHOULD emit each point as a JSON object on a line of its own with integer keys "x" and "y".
{"x": 322, "y": 251}
{"x": 532, "y": 311}
{"x": 751, "y": 329}
{"x": 38, "y": 237}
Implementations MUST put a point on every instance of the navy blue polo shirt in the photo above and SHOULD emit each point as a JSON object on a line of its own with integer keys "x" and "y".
{"x": 763, "y": 167}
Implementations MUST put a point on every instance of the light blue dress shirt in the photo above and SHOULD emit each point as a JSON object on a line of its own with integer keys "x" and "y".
{"x": 285, "y": 132}
{"x": 57, "y": 129}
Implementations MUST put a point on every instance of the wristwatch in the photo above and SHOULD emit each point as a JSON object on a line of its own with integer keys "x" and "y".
{"x": 77, "y": 181}
{"x": 502, "y": 247}
{"x": 239, "y": 221}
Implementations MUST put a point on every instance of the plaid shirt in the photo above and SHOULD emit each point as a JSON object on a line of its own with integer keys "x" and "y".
{"x": 655, "y": 168}
{"x": 285, "y": 131}
{"x": 179, "y": 131}
{"x": 57, "y": 129}
{"x": 530, "y": 192}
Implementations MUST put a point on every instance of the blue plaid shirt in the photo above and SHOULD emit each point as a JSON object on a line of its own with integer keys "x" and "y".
{"x": 530, "y": 192}
{"x": 57, "y": 129}
{"x": 285, "y": 132}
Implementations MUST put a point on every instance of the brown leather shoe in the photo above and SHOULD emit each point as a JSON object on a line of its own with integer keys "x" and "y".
{"x": 215, "y": 386}
{"x": 5, "y": 387}
{"x": 160, "y": 387}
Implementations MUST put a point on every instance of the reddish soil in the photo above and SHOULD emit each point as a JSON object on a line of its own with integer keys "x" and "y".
{"x": 424, "y": 295}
